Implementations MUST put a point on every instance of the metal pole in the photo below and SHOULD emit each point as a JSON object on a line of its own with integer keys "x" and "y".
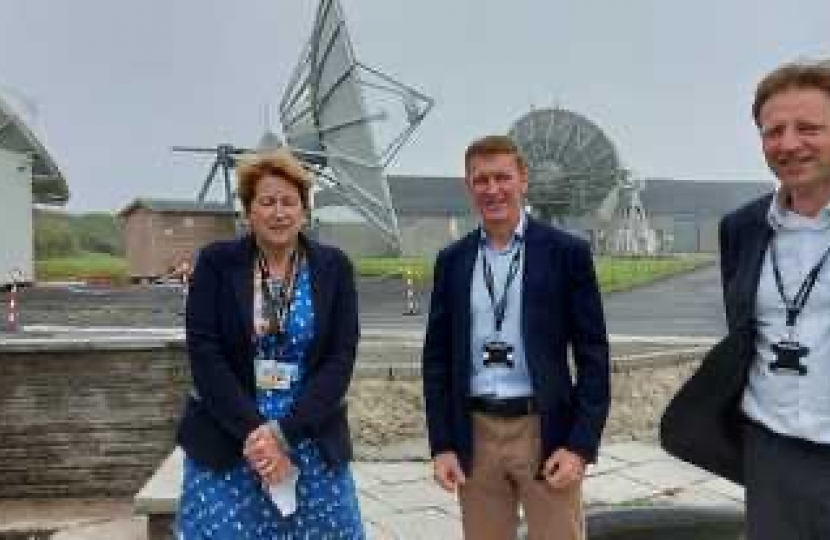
{"x": 411, "y": 303}
{"x": 12, "y": 317}
{"x": 185, "y": 272}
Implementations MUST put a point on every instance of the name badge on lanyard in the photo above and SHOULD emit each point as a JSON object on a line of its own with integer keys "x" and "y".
{"x": 272, "y": 374}
{"x": 271, "y": 368}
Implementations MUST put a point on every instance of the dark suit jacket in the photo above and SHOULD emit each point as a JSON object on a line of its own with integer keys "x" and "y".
{"x": 222, "y": 410}
{"x": 561, "y": 306}
{"x": 702, "y": 424}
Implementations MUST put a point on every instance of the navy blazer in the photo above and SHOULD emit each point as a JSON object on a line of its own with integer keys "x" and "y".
{"x": 703, "y": 422}
{"x": 222, "y": 410}
{"x": 561, "y": 306}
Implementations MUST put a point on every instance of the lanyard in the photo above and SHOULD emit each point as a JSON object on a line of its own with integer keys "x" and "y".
{"x": 796, "y": 305}
{"x": 500, "y": 307}
{"x": 278, "y": 303}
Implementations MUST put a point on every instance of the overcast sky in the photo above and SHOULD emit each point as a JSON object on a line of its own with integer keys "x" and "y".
{"x": 115, "y": 83}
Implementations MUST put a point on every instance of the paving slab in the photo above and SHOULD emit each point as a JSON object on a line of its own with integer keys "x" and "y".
{"x": 123, "y": 529}
{"x": 55, "y": 514}
{"x": 664, "y": 474}
{"x": 695, "y": 496}
{"x": 634, "y": 452}
{"x": 423, "y": 525}
{"x": 605, "y": 464}
{"x": 611, "y": 489}
{"x": 418, "y": 495}
{"x": 399, "y": 501}
{"x": 723, "y": 487}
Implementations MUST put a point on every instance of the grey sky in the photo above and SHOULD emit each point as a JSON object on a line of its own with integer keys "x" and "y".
{"x": 118, "y": 82}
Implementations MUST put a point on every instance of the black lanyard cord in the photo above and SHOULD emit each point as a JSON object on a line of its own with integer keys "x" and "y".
{"x": 500, "y": 307}
{"x": 796, "y": 305}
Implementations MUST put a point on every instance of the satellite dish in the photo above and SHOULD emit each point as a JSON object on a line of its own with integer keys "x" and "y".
{"x": 349, "y": 119}
{"x": 346, "y": 121}
{"x": 572, "y": 164}
{"x": 48, "y": 183}
{"x": 224, "y": 160}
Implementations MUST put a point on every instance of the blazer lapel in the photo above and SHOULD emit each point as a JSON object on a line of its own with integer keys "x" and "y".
{"x": 243, "y": 285}
{"x": 530, "y": 275}
{"x": 463, "y": 282}
{"x": 759, "y": 235}
{"x": 320, "y": 283}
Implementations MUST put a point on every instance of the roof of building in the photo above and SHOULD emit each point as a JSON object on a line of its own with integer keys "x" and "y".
{"x": 438, "y": 196}
{"x": 699, "y": 198}
{"x": 417, "y": 196}
{"x": 173, "y": 206}
{"x": 336, "y": 214}
{"x": 48, "y": 184}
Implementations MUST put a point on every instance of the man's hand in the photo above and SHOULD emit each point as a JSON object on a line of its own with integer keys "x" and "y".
{"x": 447, "y": 471}
{"x": 563, "y": 468}
{"x": 266, "y": 456}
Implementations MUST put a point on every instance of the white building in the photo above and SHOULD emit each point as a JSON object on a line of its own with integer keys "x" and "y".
{"x": 28, "y": 176}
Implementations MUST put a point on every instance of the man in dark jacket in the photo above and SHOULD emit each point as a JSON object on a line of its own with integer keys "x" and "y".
{"x": 508, "y": 422}
{"x": 767, "y": 387}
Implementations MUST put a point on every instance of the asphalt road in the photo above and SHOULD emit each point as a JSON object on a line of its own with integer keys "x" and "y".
{"x": 686, "y": 305}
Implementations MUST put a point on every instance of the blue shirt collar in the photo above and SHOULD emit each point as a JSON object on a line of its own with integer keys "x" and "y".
{"x": 780, "y": 217}
{"x": 518, "y": 233}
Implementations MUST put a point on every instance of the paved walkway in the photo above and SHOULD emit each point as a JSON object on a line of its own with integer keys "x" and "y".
{"x": 400, "y": 501}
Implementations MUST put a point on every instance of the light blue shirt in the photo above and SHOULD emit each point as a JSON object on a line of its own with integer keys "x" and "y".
{"x": 790, "y": 404}
{"x": 498, "y": 381}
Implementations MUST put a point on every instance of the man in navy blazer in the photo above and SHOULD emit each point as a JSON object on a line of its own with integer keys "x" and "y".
{"x": 766, "y": 394}
{"x": 508, "y": 421}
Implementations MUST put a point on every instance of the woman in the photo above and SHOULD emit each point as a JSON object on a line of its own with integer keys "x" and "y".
{"x": 272, "y": 331}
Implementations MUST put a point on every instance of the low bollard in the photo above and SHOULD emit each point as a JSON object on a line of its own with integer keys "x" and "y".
{"x": 12, "y": 315}
{"x": 411, "y": 302}
{"x": 185, "y": 272}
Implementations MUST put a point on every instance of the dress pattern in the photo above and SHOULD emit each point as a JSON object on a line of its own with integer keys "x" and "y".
{"x": 233, "y": 505}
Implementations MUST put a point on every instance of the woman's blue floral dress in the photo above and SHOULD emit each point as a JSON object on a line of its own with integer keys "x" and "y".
{"x": 233, "y": 505}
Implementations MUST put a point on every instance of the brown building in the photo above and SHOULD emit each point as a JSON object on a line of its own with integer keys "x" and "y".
{"x": 160, "y": 235}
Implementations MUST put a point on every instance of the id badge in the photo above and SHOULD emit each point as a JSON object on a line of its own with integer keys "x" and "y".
{"x": 497, "y": 353}
{"x": 274, "y": 375}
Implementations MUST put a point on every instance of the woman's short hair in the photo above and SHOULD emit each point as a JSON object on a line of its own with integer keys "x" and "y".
{"x": 492, "y": 145}
{"x": 793, "y": 76}
{"x": 280, "y": 163}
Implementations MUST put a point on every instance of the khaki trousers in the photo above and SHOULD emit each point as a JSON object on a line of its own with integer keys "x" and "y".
{"x": 506, "y": 458}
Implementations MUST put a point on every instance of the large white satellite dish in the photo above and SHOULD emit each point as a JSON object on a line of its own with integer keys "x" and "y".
{"x": 345, "y": 120}
{"x": 48, "y": 184}
{"x": 349, "y": 120}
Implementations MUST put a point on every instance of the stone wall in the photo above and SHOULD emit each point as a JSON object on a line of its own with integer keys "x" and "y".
{"x": 95, "y": 417}
{"x": 86, "y": 420}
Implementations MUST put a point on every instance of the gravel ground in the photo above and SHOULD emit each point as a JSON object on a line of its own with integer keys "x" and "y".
{"x": 387, "y": 418}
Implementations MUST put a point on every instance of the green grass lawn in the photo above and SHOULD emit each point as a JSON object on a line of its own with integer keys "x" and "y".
{"x": 614, "y": 273}
{"x": 86, "y": 266}
{"x": 620, "y": 273}
{"x": 419, "y": 267}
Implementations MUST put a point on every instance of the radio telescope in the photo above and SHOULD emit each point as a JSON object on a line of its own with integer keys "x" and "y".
{"x": 572, "y": 164}
{"x": 346, "y": 121}
{"x": 624, "y": 224}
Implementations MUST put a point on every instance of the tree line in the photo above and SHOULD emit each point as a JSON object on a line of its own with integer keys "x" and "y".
{"x": 58, "y": 234}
